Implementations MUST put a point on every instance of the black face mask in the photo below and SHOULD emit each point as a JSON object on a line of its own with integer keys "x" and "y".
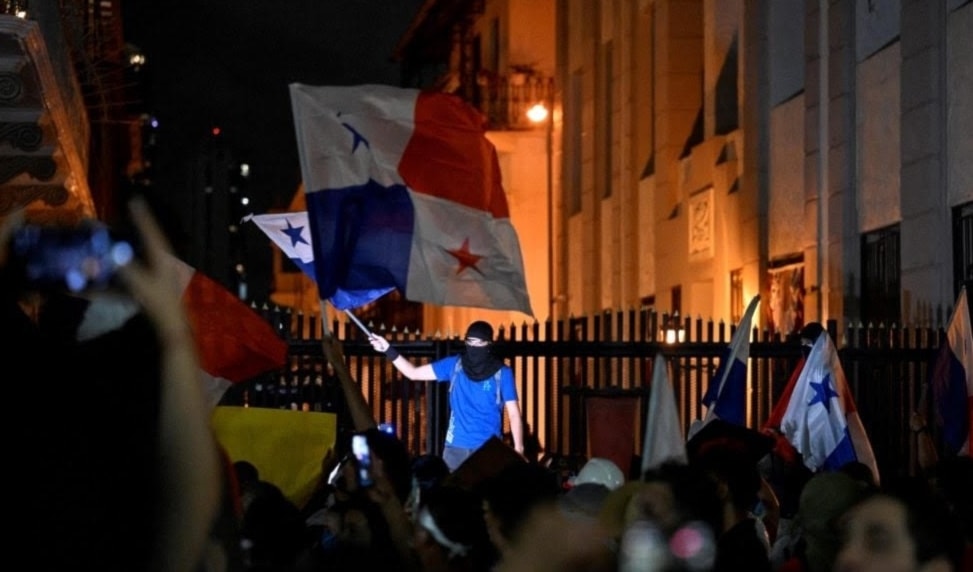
{"x": 479, "y": 363}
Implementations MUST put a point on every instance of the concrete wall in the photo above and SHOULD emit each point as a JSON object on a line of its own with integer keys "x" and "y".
{"x": 853, "y": 117}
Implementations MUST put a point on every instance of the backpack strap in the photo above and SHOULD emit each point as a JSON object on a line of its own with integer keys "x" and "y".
{"x": 458, "y": 367}
{"x": 496, "y": 381}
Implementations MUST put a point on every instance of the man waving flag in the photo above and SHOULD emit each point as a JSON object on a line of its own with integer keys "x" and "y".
{"x": 403, "y": 190}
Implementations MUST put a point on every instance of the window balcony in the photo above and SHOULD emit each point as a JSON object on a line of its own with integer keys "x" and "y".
{"x": 505, "y": 99}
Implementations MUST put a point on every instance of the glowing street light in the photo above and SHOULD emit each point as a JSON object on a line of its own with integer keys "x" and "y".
{"x": 537, "y": 113}
{"x": 540, "y": 114}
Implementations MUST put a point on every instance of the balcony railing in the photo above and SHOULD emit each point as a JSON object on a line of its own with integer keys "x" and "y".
{"x": 505, "y": 99}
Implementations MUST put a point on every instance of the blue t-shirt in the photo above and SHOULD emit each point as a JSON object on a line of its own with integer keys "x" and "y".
{"x": 476, "y": 408}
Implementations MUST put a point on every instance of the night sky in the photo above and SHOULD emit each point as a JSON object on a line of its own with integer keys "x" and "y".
{"x": 228, "y": 63}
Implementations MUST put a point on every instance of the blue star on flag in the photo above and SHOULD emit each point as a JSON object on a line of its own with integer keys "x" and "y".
{"x": 294, "y": 232}
{"x": 357, "y": 138}
{"x": 823, "y": 393}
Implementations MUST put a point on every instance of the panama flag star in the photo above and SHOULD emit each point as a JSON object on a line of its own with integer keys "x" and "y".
{"x": 827, "y": 437}
{"x": 358, "y": 139}
{"x": 295, "y": 233}
{"x": 465, "y": 258}
{"x": 823, "y": 393}
{"x": 286, "y": 230}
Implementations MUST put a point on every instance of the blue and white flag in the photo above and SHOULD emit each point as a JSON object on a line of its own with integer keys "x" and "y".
{"x": 821, "y": 420}
{"x": 726, "y": 396}
{"x": 292, "y": 234}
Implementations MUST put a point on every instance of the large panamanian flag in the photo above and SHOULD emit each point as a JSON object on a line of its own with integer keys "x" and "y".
{"x": 952, "y": 381}
{"x": 404, "y": 190}
{"x": 819, "y": 417}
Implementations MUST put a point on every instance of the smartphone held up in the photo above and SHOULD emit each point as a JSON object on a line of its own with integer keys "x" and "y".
{"x": 363, "y": 461}
{"x": 72, "y": 258}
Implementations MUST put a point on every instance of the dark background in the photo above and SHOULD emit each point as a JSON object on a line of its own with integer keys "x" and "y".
{"x": 227, "y": 64}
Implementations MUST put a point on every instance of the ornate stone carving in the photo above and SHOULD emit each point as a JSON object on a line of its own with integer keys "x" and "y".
{"x": 39, "y": 167}
{"x": 11, "y": 87}
{"x": 15, "y": 197}
{"x": 22, "y": 135}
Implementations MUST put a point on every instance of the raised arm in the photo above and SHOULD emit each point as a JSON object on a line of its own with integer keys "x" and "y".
{"x": 407, "y": 368}
{"x": 361, "y": 413}
{"x": 190, "y": 473}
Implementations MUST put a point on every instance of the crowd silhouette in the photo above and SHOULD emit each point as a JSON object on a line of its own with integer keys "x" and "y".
{"x": 118, "y": 470}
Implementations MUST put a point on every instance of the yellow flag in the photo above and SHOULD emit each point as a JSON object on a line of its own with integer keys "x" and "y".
{"x": 286, "y": 446}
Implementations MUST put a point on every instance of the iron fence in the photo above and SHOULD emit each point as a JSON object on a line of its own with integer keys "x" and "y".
{"x": 561, "y": 367}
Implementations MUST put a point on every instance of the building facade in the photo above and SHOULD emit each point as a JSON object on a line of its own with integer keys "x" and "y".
{"x": 814, "y": 152}
{"x": 499, "y": 55}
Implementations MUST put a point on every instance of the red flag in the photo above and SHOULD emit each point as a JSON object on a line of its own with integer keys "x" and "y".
{"x": 233, "y": 342}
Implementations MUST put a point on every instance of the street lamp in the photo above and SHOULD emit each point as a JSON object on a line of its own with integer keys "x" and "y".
{"x": 539, "y": 113}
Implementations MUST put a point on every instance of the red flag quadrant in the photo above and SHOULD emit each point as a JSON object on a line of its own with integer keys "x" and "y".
{"x": 404, "y": 190}
{"x": 952, "y": 381}
{"x": 233, "y": 342}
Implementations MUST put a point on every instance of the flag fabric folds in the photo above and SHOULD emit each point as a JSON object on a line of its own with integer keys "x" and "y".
{"x": 292, "y": 234}
{"x": 233, "y": 342}
{"x": 952, "y": 381}
{"x": 820, "y": 418}
{"x": 285, "y": 446}
{"x": 726, "y": 396}
{"x": 403, "y": 190}
{"x": 663, "y": 439}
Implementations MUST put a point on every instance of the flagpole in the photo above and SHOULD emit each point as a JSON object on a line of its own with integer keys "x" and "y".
{"x": 733, "y": 352}
{"x": 325, "y": 330}
{"x": 358, "y": 323}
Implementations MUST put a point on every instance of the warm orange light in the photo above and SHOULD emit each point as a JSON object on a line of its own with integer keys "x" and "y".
{"x": 537, "y": 113}
{"x": 673, "y": 335}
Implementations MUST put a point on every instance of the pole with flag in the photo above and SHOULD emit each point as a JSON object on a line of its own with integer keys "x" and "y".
{"x": 290, "y": 232}
{"x": 726, "y": 396}
{"x": 820, "y": 418}
{"x": 952, "y": 381}
{"x": 663, "y": 439}
{"x": 403, "y": 191}
{"x": 233, "y": 342}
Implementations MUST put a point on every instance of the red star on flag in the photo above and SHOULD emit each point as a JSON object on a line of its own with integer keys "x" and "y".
{"x": 465, "y": 258}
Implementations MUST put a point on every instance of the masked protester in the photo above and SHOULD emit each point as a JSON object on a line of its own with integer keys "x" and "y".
{"x": 481, "y": 389}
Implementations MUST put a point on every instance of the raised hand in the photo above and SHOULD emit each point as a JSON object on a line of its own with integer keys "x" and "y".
{"x": 378, "y": 342}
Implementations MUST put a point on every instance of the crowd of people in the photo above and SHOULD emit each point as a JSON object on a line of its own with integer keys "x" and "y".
{"x": 119, "y": 470}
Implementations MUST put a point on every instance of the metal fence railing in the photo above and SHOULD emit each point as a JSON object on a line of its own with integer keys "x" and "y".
{"x": 560, "y": 366}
